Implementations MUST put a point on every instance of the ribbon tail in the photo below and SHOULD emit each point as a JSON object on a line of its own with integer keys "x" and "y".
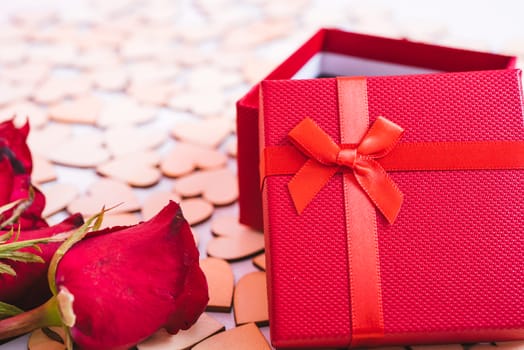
{"x": 308, "y": 181}
{"x": 380, "y": 188}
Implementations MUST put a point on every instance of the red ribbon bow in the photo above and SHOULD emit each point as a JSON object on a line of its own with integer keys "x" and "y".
{"x": 327, "y": 158}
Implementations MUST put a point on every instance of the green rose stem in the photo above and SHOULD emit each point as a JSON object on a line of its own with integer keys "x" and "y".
{"x": 46, "y": 315}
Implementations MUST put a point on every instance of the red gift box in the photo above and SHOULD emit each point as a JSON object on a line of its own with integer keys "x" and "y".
{"x": 332, "y": 52}
{"x": 394, "y": 209}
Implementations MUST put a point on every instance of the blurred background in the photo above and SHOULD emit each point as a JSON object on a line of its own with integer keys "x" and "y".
{"x": 166, "y": 63}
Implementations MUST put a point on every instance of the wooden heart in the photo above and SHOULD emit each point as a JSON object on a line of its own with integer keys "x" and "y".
{"x": 156, "y": 201}
{"x": 44, "y": 141}
{"x": 108, "y": 193}
{"x": 220, "y": 283}
{"x": 81, "y": 151}
{"x": 244, "y": 337}
{"x": 56, "y": 88}
{"x": 260, "y": 261}
{"x": 235, "y": 241}
{"x": 137, "y": 170}
{"x": 23, "y": 111}
{"x": 43, "y": 170}
{"x": 186, "y": 157}
{"x": 229, "y": 226}
{"x": 50, "y": 339}
{"x": 58, "y": 196}
{"x": 207, "y": 132}
{"x": 124, "y": 111}
{"x": 155, "y": 93}
{"x": 111, "y": 79}
{"x": 218, "y": 186}
{"x": 124, "y": 219}
{"x": 83, "y": 110}
{"x": 250, "y": 299}
{"x": 196, "y": 210}
{"x": 204, "y": 327}
{"x": 130, "y": 139}
{"x": 192, "y": 101}
{"x": 12, "y": 93}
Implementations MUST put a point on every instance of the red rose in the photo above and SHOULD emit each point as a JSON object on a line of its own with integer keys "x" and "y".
{"x": 15, "y": 174}
{"x": 126, "y": 283}
{"x": 29, "y": 288}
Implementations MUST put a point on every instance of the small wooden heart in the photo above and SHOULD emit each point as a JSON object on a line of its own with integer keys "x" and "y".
{"x": 56, "y": 88}
{"x": 110, "y": 79}
{"x": 260, "y": 261}
{"x": 207, "y": 132}
{"x": 155, "y": 93}
{"x": 44, "y": 141}
{"x": 124, "y": 111}
{"x": 43, "y": 170}
{"x": 236, "y": 241}
{"x": 244, "y": 337}
{"x": 195, "y": 210}
{"x": 124, "y": 219}
{"x": 250, "y": 299}
{"x": 220, "y": 282}
{"x": 218, "y": 186}
{"x": 130, "y": 139}
{"x": 58, "y": 196}
{"x": 23, "y": 111}
{"x": 156, "y": 201}
{"x": 81, "y": 151}
{"x": 82, "y": 110}
{"x": 204, "y": 327}
{"x": 138, "y": 170}
{"x": 47, "y": 339}
{"x": 105, "y": 193}
{"x": 186, "y": 157}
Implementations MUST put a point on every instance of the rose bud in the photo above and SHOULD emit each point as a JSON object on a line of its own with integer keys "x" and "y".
{"x": 15, "y": 175}
{"x": 127, "y": 284}
{"x": 29, "y": 287}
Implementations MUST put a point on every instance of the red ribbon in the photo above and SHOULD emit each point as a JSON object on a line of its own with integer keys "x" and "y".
{"x": 327, "y": 158}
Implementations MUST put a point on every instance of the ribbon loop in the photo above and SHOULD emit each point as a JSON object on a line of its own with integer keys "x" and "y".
{"x": 326, "y": 158}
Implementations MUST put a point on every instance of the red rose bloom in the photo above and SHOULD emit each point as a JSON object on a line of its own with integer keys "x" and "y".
{"x": 29, "y": 288}
{"x": 125, "y": 283}
{"x": 15, "y": 174}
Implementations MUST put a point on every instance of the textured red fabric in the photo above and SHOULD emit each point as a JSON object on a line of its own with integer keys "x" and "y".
{"x": 452, "y": 267}
{"x": 403, "y": 52}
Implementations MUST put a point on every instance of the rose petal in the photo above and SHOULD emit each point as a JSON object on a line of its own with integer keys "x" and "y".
{"x": 127, "y": 284}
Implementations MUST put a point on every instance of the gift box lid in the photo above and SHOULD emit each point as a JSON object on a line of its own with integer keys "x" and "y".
{"x": 334, "y": 52}
{"x": 451, "y": 265}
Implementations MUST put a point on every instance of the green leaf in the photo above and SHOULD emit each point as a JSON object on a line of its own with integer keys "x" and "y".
{"x": 22, "y": 256}
{"x": 4, "y": 268}
{"x": 6, "y": 236}
{"x": 33, "y": 243}
{"x": 11, "y": 251}
{"x": 8, "y": 310}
